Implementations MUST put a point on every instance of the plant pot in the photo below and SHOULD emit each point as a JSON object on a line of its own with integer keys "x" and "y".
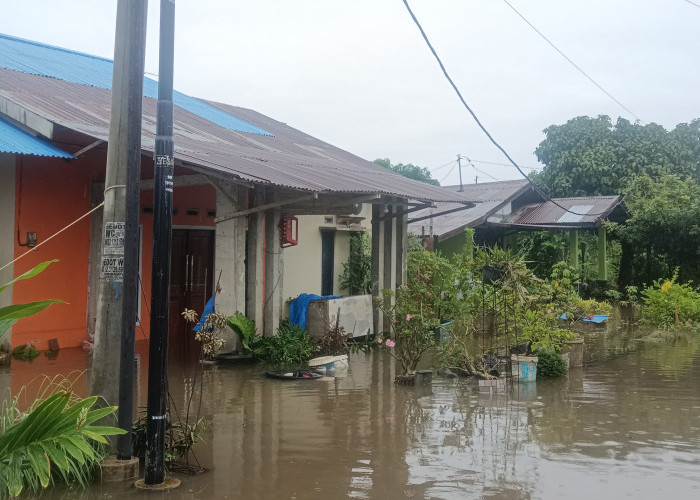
{"x": 524, "y": 368}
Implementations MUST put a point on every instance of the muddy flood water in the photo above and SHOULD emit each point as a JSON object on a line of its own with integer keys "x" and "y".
{"x": 627, "y": 425}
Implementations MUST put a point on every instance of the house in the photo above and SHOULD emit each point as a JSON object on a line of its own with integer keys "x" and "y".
{"x": 238, "y": 173}
{"x": 507, "y": 207}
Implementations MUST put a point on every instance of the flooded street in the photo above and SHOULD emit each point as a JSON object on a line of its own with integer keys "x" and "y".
{"x": 627, "y": 425}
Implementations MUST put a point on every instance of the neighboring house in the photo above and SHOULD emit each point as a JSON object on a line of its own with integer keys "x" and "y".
{"x": 237, "y": 173}
{"x": 507, "y": 207}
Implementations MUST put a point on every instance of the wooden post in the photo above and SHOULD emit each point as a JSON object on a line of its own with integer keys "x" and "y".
{"x": 573, "y": 249}
{"x": 256, "y": 236}
{"x": 273, "y": 269}
{"x": 602, "y": 253}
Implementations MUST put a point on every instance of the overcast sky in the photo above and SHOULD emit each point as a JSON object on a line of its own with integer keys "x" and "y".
{"x": 357, "y": 74}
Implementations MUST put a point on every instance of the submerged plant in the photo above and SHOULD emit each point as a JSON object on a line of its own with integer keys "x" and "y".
{"x": 290, "y": 348}
{"x": 244, "y": 328}
{"x": 550, "y": 364}
{"x": 55, "y": 440}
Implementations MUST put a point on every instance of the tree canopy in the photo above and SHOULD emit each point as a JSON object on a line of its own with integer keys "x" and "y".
{"x": 592, "y": 156}
{"x": 409, "y": 170}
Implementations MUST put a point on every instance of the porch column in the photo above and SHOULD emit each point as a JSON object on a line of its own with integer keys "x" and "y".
{"x": 256, "y": 256}
{"x": 573, "y": 249}
{"x": 602, "y": 253}
{"x": 7, "y": 228}
{"x": 389, "y": 269}
{"x": 401, "y": 243}
{"x": 273, "y": 266}
{"x": 229, "y": 260}
{"x": 377, "y": 265}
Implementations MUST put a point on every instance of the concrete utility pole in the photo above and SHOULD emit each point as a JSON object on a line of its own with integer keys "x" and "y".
{"x": 123, "y": 148}
{"x": 459, "y": 163}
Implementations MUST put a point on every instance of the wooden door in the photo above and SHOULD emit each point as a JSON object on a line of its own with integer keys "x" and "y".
{"x": 191, "y": 271}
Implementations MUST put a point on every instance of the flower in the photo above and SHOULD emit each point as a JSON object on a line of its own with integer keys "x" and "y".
{"x": 408, "y": 317}
{"x": 390, "y": 343}
{"x": 430, "y": 294}
{"x": 666, "y": 286}
{"x": 549, "y": 311}
{"x": 379, "y": 340}
{"x": 590, "y": 316}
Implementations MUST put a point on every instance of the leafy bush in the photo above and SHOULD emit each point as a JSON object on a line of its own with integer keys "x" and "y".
{"x": 290, "y": 348}
{"x": 550, "y": 364}
{"x": 244, "y": 328}
{"x": 591, "y": 306}
{"x": 9, "y": 315}
{"x": 55, "y": 440}
{"x": 667, "y": 303}
{"x": 357, "y": 271}
{"x": 541, "y": 332}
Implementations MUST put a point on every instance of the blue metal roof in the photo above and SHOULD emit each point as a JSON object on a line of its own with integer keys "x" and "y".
{"x": 40, "y": 59}
{"x": 15, "y": 140}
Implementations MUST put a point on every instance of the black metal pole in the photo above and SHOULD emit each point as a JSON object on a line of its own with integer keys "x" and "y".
{"x": 136, "y": 52}
{"x": 162, "y": 239}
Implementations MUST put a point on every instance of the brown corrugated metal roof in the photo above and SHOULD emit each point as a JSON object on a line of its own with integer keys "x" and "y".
{"x": 490, "y": 197}
{"x": 289, "y": 159}
{"x": 551, "y": 213}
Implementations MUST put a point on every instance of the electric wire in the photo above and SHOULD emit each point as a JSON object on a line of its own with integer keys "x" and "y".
{"x": 693, "y": 3}
{"x": 442, "y": 166}
{"x": 448, "y": 173}
{"x": 570, "y": 61}
{"x": 478, "y": 122}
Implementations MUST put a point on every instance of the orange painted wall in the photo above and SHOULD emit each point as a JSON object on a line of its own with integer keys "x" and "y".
{"x": 51, "y": 193}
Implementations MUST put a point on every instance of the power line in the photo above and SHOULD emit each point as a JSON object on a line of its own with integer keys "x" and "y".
{"x": 442, "y": 166}
{"x": 572, "y": 62}
{"x": 501, "y": 164}
{"x": 693, "y": 3}
{"x": 483, "y": 129}
{"x": 448, "y": 173}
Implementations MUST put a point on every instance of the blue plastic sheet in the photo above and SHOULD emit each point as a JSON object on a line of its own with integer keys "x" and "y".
{"x": 208, "y": 309}
{"x": 597, "y": 318}
{"x": 299, "y": 306}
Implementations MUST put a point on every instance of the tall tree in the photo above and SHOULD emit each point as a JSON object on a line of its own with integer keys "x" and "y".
{"x": 409, "y": 170}
{"x": 592, "y": 156}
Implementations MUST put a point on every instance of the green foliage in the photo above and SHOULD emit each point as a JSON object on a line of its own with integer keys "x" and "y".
{"x": 667, "y": 303}
{"x": 290, "y": 348}
{"x": 9, "y": 315}
{"x": 180, "y": 437}
{"x": 550, "y": 364}
{"x": 562, "y": 284}
{"x": 56, "y": 439}
{"x": 591, "y": 156}
{"x": 244, "y": 328}
{"x": 540, "y": 330}
{"x": 664, "y": 226}
{"x": 418, "y": 307}
{"x": 590, "y": 307}
{"x": 357, "y": 271}
{"x": 25, "y": 352}
{"x": 409, "y": 170}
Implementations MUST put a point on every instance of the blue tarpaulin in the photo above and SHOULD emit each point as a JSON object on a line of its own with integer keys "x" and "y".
{"x": 208, "y": 309}
{"x": 597, "y": 318}
{"x": 299, "y": 306}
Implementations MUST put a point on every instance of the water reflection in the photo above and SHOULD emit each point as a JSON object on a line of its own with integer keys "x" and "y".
{"x": 627, "y": 425}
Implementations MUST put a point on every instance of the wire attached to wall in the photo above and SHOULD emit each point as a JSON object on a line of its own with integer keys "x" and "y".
{"x": 483, "y": 129}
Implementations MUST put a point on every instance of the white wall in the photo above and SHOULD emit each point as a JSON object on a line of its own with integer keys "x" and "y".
{"x": 7, "y": 229}
{"x": 302, "y": 263}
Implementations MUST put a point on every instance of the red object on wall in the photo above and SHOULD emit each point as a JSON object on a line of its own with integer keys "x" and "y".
{"x": 289, "y": 232}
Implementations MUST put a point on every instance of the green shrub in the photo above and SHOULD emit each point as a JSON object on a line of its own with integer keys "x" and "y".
{"x": 244, "y": 328}
{"x": 290, "y": 348}
{"x": 667, "y": 303}
{"x": 550, "y": 364}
